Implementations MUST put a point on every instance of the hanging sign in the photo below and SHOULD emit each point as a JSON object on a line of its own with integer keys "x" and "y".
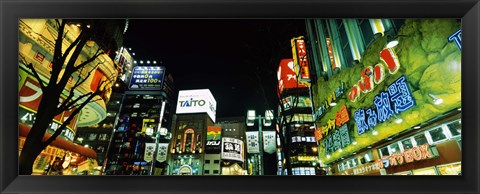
{"x": 147, "y": 78}
{"x": 162, "y": 152}
{"x": 232, "y": 149}
{"x": 253, "y": 147}
{"x": 269, "y": 141}
{"x": 149, "y": 149}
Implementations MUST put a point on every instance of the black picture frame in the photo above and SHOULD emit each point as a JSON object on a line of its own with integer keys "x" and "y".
{"x": 11, "y": 11}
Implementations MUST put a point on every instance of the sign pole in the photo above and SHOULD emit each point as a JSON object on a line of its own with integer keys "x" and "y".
{"x": 157, "y": 133}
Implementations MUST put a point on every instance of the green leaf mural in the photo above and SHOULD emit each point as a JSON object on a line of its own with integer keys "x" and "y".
{"x": 432, "y": 66}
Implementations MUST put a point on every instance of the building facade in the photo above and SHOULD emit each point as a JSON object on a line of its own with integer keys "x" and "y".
{"x": 387, "y": 95}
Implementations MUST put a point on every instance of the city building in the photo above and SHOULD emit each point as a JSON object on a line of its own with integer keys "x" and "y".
{"x": 195, "y": 113}
{"x": 296, "y": 114}
{"x": 139, "y": 143}
{"x": 387, "y": 95}
{"x": 233, "y": 128}
{"x": 36, "y": 46}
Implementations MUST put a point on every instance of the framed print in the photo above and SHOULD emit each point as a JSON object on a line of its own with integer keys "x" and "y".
{"x": 239, "y": 97}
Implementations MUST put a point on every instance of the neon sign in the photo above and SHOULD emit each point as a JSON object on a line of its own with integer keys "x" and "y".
{"x": 375, "y": 75}
{"x": 326, "y": 104}
{"x": 457, "y": 38}
{"x": 397, "y": 99}
{"x": 415, "y": 154}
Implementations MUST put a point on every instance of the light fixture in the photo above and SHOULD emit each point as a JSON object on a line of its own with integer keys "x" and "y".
{"x": 116, "y": 84}
{"x": 133, "y": 54}
{"x": 340, "y": 150}
{"x": 86, "y": 145}
{"x": 79, "y": 25}
{"x": 436, "y": 100}
{"x": 141, "y": 62}
{"x": 375, "y": 132}
{"x": 129, "y": 49}
{"x": 354, "y": 142}
{"x": 298, "y": 125}
{"x": 333, "y": 104}
{"x": 312, "y": 127}
{"x": 135, "y": 62}
{"x": 417, "y": 127}
{"x": 88, "y": 25}
{"x": 250, "y": 118}
{"x": 459, "y": 109}
{"x": 369, "y": 147}
{"x": 392, "y": 41}
{"x": 148, "y": 62}
{"x": 398, "y": 120}
{"x": 268, "y": 118}
{"x": 328, "y": 156}
{"x": 154, "y": 62}
{"x": 389, "y": 138}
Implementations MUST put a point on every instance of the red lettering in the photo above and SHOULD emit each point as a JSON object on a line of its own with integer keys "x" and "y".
{"x": 399, "y": 157}
{"x": 425, "y": 153}
{"x": 378, "y": 73}
{"x": 408, "y": 156}
{"x": 390, "y": 59}
{"x": 379, "y": 163}
{"x": 393, "y": 160}
{"x": 354, "y": 93}
{"x": 417, "y": 154}
{"x": 366, "y": 82}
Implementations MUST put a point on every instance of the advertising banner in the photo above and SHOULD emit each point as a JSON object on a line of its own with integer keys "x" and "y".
{"x": 162, "y": 152}
{"x": 269, "y": 141}
{"x": 147, "y": 78}
{"x": 299, "y": 52}
{"x": 214, "y": 133}
{"x": 149, "y": 149}
{"x": 287, "y": 76}
{"x": 232, "y": 149}
{"x": 196, "y": 101}
{"x": 297, "y": 102}
{"x": 253, "y": 147}
{"x": 214, "y": 139}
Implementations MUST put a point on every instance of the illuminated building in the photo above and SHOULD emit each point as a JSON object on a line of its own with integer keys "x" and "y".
{"x": 383, "y": 104}
{"x": 195, "y": 112}
{"x": 36, "y": 46}
{"x": 233, "y": 128}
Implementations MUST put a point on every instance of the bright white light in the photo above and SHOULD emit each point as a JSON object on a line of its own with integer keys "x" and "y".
{"x": 392, "y": 44}
{"x": 148, "y": 62}
{"x": 340, "y": 150}
{"x": 354, "y": 143}
{"x": 333, "y": 104}
{"x": 328, "y": 156}
{"x": 416, "y": 127}
{"x": 154, "y": 62}
{"x": 459, "y": 109}
{"x": 438, "y": 101}
{"x": 399, "y": 120}
{"x": 375, "y": 132}
{"x": 298, "y": 125}
{"x": 141, "y": 62}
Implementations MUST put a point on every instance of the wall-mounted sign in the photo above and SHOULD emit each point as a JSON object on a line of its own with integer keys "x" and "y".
{"x": 296, "y": 139}
{"x": 287, "y": 77}
{"x": 415, "y": 154}
{"x": 372, "y": 76}
{"x": 338, "y": 139}
{"x": 397, "y": 99}
{"x": 253, "y": 147}
{"x": 299, "y": 52}
{"x": 297, "y": 102}
{"x": 341, "y": 117}
{"x": 232, "y": 149}
{"x": 185, "y": 170}
{"x": 149, "y": 150}
{"x": 162, "y": 152}
{"x": 147, "y": 78}
{"x": 196, "y": 101}
{"x": 457, "y": 38}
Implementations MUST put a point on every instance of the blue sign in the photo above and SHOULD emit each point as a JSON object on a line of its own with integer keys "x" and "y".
{"x": 457, "y": 38}
{"x": 147, "y": 78}
{"x": 397, "y": 99}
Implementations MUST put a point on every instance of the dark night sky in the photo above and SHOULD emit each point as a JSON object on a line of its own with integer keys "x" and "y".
{"x": 234, "y": 58}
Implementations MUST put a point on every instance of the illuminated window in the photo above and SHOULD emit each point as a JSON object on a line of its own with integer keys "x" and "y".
{"x": 437, "y": 134}
{"x": 407, "y": 144}
{"x": 384, "y": 151}
{"x": 394, "y": 148}
{"x": 455, "y": 128}
{"x": 420, "y": 139}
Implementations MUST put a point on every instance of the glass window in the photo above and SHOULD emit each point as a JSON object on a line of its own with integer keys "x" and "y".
{"x": 367, "y": 31}
{"x": 420, "y": 139}
{"x": 455, "y": 128}
{"x": 207, "y": 161}
{"x": 215, "y": 171}
{"x": 216, "y": 161}
{"x": 354, "y": 162}
{"x": 407, "y": 144}
{"x": 437, "y": 134}
{"x": 425, "y": 171}
{"x": 207, "y": 171}
{"x": 394, "y": 148}
{"x": 450, "y": 169}
{"x": 383, "y": 152}
{"x": 368, "y": 156}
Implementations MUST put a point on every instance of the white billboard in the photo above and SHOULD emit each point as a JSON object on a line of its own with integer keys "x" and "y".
{"x": 232, "y": 149}
{"x": 196, "y": 101}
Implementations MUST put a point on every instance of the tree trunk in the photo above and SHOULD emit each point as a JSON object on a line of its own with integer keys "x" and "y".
{"x": 27, "y": 157}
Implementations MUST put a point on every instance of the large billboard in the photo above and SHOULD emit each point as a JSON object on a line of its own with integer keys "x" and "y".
{"x": 196, "y": 101}
{"x": 147, "y": 78}
{"x": 299, "y": 52}
{"x": 232, "y": 149}
{"x": 214, "y": 138}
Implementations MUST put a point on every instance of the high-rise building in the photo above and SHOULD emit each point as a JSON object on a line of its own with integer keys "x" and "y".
{"x": 233, "y": 131}
{"x": 143, "y": 124}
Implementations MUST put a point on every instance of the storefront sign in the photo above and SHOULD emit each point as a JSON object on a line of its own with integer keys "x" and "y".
{"x": 397, "y": 99}
{"x": 196, "y": 101}
{"x": 269, "y": 141}
{"x": 253, "y": 146}
{"x": 375, "y": 75}
{"x": 322, "y": 109}
{"x": 149, "y": 150}
{"x": 365, "y": 169}
{"x": 457, "y": 38}
{"x": 296, "y": 139}
{"x": 147, "y": 78}
{"x": 318, "y": 134}
{"x": 232, "y": 149}
{"x": 341, "y": 117}
{"x": 415, "y": 154}
{"x": 28, "y": 118}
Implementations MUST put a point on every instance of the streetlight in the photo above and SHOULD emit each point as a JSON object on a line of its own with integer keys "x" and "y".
{"x": 157, "y": 135}
{"x": 267, "y": 121}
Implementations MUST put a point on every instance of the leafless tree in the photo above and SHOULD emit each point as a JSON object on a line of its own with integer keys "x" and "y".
{"x": 51, "y": 103}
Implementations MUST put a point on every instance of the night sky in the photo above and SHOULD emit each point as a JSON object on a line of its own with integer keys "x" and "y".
{"x": 236, "y": 59}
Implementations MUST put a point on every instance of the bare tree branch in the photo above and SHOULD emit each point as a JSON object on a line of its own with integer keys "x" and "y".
{"x": 68, "y": 105}
{"x": 35, "y": 73}
{"x": 97, "y": 54}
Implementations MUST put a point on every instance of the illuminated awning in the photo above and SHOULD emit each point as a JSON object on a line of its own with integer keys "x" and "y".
{"x": 61, "y": 143}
